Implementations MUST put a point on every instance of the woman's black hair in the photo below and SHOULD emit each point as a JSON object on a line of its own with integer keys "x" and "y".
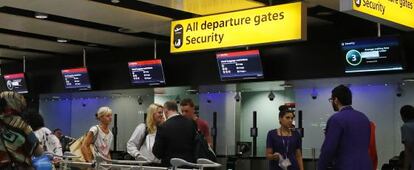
{"x": 35, "y": 120}
{"x": 283, "y": 110}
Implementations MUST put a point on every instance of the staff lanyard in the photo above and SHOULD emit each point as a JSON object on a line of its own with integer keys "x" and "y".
{"x": 287, "y": 146}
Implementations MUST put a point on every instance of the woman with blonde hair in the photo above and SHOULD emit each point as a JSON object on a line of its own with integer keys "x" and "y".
{"x": 142, "y": 140}
{"x": 99, "y": 135}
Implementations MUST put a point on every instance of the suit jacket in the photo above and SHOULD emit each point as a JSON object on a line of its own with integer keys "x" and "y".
{"x": 346, "y": 142}
{"x": 175, "y": 139}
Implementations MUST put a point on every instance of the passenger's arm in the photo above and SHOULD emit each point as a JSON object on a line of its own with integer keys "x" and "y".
{"x": 329, "y": 148}
{"x": 86, "y": 150}
{"x": 135, "y": 140}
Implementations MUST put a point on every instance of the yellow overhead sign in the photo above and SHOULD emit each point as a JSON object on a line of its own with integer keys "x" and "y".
{"x": 272, "y": 24}
{"x": 395, "y": 13}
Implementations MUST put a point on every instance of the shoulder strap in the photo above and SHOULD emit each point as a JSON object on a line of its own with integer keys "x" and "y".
{"x": 95, "y": 136}
{"x": 145, "y": 137}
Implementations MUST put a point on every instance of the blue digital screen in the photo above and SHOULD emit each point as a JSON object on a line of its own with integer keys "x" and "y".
{"x": 148, "y": 72}
{"x": 371, "y": 55}
{"x": 240, "y": 65}
{"x": 76, "y": 78}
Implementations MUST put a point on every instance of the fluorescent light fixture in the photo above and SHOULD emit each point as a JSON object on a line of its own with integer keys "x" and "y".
{"x": 60, "y": 40}
{"x": 324, "y": 13}
{"x": 287, "y": 85}
{"x": 115, "y": 1}
{"x": 127, "y": 30}
{"x": 408, "y": 79}
{"x": 39, "y": 15}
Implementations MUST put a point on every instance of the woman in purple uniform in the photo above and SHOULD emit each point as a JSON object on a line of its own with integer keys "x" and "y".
{"x": 283, "y": 148}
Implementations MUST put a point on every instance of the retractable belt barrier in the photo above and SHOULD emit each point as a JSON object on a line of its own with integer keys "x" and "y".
{"x": 139, "y": 164}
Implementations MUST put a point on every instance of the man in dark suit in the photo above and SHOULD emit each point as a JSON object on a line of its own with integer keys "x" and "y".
{"x": 175, "y": 137}
{"x": 347, "y": 135}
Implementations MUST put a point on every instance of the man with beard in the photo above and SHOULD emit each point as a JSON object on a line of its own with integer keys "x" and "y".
{"x": 347, "y": 135}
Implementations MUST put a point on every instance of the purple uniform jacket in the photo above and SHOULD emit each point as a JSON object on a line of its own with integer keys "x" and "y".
{"x": 346, "y": 141}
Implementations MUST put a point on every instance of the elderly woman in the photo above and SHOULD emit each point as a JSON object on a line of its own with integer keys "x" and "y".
{"x": 99, "y": 135}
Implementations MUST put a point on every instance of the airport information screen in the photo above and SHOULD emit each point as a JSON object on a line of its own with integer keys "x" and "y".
{"x": 76, "y": 78}
{"x": 369, "y": 55}
{"x": 148, "y": 72}
{"x": 240, "y": 65}
{"x": 16, "y": 82}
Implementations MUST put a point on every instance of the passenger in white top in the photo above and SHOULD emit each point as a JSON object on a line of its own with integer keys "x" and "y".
{"x": 47, "y": 140}
{"x": 143, "y": 138}
{"x": 101, "y": 134}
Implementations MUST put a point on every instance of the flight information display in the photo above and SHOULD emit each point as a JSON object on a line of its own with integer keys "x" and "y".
{"x": 76, "y": 78}
{"x": 16, "y": 82}
{"x": 148, "y": 72}
{"x": 240, "y": 65}
{"x": 371, "y": 55}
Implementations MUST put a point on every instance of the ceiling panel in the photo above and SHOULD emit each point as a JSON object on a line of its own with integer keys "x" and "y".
{"x": 49, "y": 28}
{"x": 333, "y": 4}
{"x": 30, "y": 43}
{"x": 97, "y": 12}
{"x": 207, "y": 7}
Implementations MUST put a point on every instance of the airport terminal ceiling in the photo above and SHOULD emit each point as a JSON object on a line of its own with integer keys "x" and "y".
{"x": 52, "y": 34}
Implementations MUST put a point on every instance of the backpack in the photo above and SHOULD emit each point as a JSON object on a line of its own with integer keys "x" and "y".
{"x": 202, "y": 149}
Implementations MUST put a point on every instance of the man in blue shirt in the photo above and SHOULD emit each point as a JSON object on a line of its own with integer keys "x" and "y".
{"x": 347, "y": 135}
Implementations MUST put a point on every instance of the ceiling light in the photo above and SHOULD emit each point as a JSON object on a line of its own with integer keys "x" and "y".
{"x": 60, "y": 40}
{"x": 324, "y": 13}
{"x": 39, "y": 15}
{"x": 192, "y": 91}
{"x": 115, "y": 1}
{"x": 408, "y": 79}
{"x": 287, "y": 85}
{"x": 126, "y": 30}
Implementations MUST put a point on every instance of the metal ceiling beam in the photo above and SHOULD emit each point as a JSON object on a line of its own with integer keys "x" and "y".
{"x": 29, "y": 50}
